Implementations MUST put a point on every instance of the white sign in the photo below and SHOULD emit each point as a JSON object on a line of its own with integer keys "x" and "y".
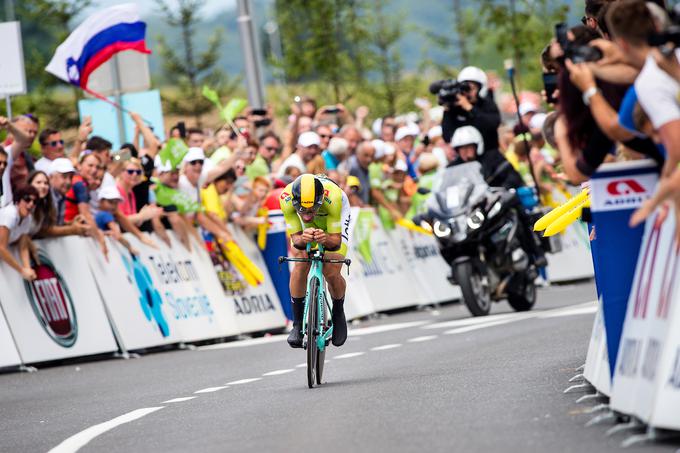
{"x": 9, "y": 356}
{"x": 12, "y": 75}
{"x": 622, "y": 192}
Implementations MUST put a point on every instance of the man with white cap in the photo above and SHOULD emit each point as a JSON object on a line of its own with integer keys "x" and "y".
{"x": 308, "y": 147}
{"x": 60, "y": 172}
{"x": 405, "y": 138}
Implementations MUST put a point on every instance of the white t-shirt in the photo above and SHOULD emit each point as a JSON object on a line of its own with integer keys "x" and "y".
{"x": 294, "y": 160}
{"x": 9, "y": 218}
{"x": 6, "y": 198}
{"x": 186, "y": 187}
{"x": 658, "y": 93}
{"x": 43, "y": 164}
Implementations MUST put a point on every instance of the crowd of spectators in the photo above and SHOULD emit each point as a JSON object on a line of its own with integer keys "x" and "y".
{"x": 622, "y": 104}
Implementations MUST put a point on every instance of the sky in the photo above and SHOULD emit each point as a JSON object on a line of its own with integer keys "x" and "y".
{"x": 149, "y": 6}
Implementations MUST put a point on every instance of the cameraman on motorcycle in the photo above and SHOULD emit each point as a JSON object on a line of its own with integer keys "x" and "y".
{"x": 469, "y": 145}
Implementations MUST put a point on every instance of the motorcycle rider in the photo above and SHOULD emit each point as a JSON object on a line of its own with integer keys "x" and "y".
{"x": 469, "y": 145}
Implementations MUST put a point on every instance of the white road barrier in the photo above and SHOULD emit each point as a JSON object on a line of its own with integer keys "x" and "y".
{"x": 9, "y": 356}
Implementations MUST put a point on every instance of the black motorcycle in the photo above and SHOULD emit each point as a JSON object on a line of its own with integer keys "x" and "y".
{"x": 477, "y": 230}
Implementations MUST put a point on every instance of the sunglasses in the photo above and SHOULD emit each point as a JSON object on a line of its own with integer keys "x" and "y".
{"x": 29, "y": 199}
{"x": 101, "y": 167}
{"x": 54, "y": 143}
{"x": 133, "y": 172}
{"x": 271, "y": 148}
{"x": 325, "y": 136}
{"x": 197, "y": 162}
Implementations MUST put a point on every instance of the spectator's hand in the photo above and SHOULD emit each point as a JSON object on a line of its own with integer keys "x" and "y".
{"x": 612, "y": 54}
{"x": 295, "y": 109}
{"x": 133, "y": 251}
{"x": 544, "y": 96}
{"x": 580, "y": 75}
{"x": 28, "y": 274}
{"x": 149, "y": 212}
{"x": 146, "y": 240}
{"x": 463, "y": 103}
{"x": 85, "y": 129}
{"x": 4, "y": 122}
{"x": 136, "y": 117}
{"x": 308, "y": 235}
{"x": 396, "y": 214}
{"x": 362, "y": 112}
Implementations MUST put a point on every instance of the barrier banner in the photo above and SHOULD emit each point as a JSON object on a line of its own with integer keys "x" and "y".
{"x": 256, "y": 308}
{"x": 616, "y": 191}
{"x": 59, "y": 315}
{"x": 9, "y": 356}
{"x": 596, "y": 370}
{"x": 191, "y": 300}
{"x": 386, "y": 275}
{"x": 358, "y": 302}
{"x": 277, "y": 245}
{"x": 425, "y": 263}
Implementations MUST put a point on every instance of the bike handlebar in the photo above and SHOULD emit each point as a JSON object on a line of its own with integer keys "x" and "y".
{"x": 283, "y": 259}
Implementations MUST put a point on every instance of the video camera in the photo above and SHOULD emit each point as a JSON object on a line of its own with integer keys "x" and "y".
{"x": 447, "y": 90}
{"x": 576, "y": 53}
{"x": 668, "y": 39}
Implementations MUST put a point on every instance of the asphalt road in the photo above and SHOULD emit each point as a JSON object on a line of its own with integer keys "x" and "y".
{"x": 416, "y": 381}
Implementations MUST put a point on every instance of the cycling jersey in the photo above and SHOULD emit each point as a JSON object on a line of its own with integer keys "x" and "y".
{"x": 333, "y": 216}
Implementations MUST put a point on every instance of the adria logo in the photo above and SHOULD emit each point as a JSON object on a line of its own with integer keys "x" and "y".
{"x": 52, "y": 304}
{"x": 625, "y": 187}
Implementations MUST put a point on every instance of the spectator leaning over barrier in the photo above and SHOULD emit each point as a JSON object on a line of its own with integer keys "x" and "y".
{"x": 60, "y": 175}
{"x": 174, "y": 203}
{"x": 109, "y": 198}
{"x": 102, "y": 148}
{"x": 18, "y": 148}
{"x": 246, "y": 207}
{"x": 307, "y": 148}
{"x": 358, "y": 167}
{"x": 270, "y": 145}
{"x": 51, "y": 147}
{"x": 15, "y": 225}
{"x": 128, "y": 179}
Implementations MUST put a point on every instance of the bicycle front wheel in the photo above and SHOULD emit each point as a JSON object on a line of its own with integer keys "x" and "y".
{"x": 312, "y": 347}
{"x": 321, "y": 356}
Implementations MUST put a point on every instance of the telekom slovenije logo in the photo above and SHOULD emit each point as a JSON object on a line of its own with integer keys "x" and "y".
{"x": 625, "y": 187}
{"x": 52, "y": 303}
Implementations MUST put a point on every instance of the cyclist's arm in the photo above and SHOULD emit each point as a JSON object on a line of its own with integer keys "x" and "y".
{"x": 298, "y": 235}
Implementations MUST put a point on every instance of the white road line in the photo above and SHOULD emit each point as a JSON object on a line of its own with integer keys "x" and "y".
{"x": 571, "y": 312}
{"x": 179, "y": 400}
{"x": 212, "y": 389}
{"x": 349, "y": 355}
{"x": 77, "y": 441}
{"x": 302, "y": 365}
{"x": 385, "y": 328}
{"x": 243, "y": 381}
{"x": 244, "y": 343}
{"x": 386, "y": 347}
{"x": 279, "y": 372}
{"x": 421, "y": 339}
{"x": 480, "y": 326}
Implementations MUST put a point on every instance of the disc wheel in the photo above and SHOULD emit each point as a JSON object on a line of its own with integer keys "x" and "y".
{"x": 312, "y": 347}
{"x": 321, "y": 355}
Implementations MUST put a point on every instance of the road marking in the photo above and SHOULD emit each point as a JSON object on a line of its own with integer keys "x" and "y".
{"x": 179, "y": 400}
{"x": 211, "y": 389}
{"x": 243, "y": 381}
{"x": 302, "y": 365}
{"x": 470, "y": 321}
{"x": 385, "y": 328}
{"x": 421, "y": 339}
{"x": 480, "y": 326}
{"x": 386, "y": 347}
{"x": 278, "y": 372}
{"x": 77, "y": 441}
{"x": 244, "y": 343}
{"x": 569, "y": 312}
{"x": 349, "y": 355}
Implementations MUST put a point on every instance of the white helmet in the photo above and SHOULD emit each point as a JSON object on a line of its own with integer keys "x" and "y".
{"x": 474, "y": 74}
{"x": 468, "y": 135}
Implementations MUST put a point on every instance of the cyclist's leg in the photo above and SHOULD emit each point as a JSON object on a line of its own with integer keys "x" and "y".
{"x": 336, "y": 282}
{"x": 298, "y": 289}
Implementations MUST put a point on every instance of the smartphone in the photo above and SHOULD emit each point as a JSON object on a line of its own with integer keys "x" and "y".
{"x": 332, "y": 110}
{"x": 121, "y": 155}
{"x": 182, "y": 128}
{"x": 259, "y": 112}
{"x": 550, "y": 85}
{"x": 263, "y": 122}
{"x": 561, "y": 35}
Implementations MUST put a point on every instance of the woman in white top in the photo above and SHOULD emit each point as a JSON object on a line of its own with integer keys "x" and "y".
{"x": 15, "y": 225}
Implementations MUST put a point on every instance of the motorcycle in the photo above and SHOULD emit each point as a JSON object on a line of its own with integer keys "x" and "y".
{"x": 476, "y": 227}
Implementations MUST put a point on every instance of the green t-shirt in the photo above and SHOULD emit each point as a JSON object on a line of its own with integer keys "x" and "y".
{"x": 259, "y": 167}
{"x": 376, "y": 177}
{"x": 220, "y": 154}
{"x": 418, "y": 200}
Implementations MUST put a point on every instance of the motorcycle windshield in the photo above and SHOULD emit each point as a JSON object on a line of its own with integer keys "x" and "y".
{"x": 459, "y": 187}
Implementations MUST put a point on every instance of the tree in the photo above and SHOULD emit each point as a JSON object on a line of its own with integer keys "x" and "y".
{"x": 188, "y": 68}
{"x": 325, "y": 40}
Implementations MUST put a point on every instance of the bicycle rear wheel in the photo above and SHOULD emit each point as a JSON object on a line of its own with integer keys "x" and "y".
{"x": 321, "y": 356}
{"x": 312, "y": 348}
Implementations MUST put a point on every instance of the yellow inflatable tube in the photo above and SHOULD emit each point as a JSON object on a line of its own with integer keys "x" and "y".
{"x": 545, "y": 221}
{"x": 409, "y": 225}
{"x": 250, "y": 272}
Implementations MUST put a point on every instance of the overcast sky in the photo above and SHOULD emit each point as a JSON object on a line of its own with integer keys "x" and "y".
{"x": 149, "y": 6}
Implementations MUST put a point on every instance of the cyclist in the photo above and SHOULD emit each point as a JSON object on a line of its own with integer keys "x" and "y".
{"x": 317, "y": 211}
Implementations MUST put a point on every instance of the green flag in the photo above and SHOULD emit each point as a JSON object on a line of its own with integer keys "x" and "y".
{"x": 166, "y": 196}
{"x": 212, "y": 96}
{"x": 232, "y": 109}
{"x": 174, "y": 151}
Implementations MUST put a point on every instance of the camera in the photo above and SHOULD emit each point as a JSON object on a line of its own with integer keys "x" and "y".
{"x": 447, "y": 91}
{"x": 574, "y": 52}
{"x": 669, "y": 36}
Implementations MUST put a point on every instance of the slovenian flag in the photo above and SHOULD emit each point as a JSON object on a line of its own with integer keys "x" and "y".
{"x": 96, "y": 40}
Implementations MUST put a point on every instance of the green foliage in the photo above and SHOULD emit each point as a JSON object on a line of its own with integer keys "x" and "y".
{"x": 385, "y": 33}
{"x": 188, "y": 69}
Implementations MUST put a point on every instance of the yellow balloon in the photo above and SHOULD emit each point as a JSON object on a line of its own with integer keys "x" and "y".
{"x": 563, "y": 222}
{"x": 553, "y": 215}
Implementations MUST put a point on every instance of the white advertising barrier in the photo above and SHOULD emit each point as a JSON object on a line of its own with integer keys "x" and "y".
{"x": 134, "y": 304}
{"x": 358, "y": 302}
{"x": 574, "y": 262}
{"x": 421, "y": 254}
{"x": 59, "y": 315}
{"x": 9, "y": 356}
{"x": 386, "y": 275}
{"x": 596, "y": 370}
{"x": 254, "y": 308}
{"x": 192, "y": 303}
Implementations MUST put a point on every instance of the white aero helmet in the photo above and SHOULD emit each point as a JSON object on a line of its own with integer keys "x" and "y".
{"x": 474, "y": 74}
{"x": 468, "y": 135}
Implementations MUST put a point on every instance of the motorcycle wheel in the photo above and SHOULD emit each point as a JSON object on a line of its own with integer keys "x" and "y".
{"x": 525, "y": 300}
{"x": 476, "y": 294}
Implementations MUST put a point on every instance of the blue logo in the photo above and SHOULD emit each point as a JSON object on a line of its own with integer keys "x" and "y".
{"x": 149, "y": 298}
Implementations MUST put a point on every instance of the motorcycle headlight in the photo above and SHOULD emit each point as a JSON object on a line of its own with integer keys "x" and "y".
{"x": 495, "y": 209}
{"x": 475, "y": 220}
{"x": 441, "y": 230}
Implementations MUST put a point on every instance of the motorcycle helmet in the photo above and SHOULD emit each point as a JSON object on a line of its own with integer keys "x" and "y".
{"x": 307, "y": 193}
{"x": 474, "y": 74}
{"x": 468, "y": 135}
